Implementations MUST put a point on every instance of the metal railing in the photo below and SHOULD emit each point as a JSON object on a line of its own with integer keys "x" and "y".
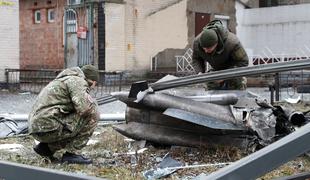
{"x": 33, "y": 80}
{"x": 267, "y": 55}
{"x": 258, "y": 60}
{"x": 183, "y": 63}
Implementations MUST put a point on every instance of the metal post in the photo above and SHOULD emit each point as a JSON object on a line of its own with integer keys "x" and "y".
{"x": 120, "y": 81}
{"x": 277, "y": 86}
{"x": 91, "y": 26}
{"x": 271, "y": 89}
{"x": 65, "y": 39}
{"x": 7, "y": 78}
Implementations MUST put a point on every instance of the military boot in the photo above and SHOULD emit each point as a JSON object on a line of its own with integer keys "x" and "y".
{"x": 43, "y": 150}
{"x": 71, "y": 158}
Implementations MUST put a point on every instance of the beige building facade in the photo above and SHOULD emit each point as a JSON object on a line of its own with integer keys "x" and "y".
{"x": 138, "y": 30}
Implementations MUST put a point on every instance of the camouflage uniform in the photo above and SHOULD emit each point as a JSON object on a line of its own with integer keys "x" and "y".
{"x": 64, "y": 114}
{"x": 229, "y": 53}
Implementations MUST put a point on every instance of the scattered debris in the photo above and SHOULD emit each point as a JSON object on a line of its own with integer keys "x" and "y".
{"x": 9, "y": 127}
{"x": 135, "y": 145}
{"x": 92, "y": 142}
{"x": 137, "y": 152}
{"x": 175, "y": 120}
{"x": 166, "y": 167}
{"x": 116, "y": 157}
{"x": 25, "y": 93}
{"x": 169, "y": 165}
{"x": 292, "y": 100}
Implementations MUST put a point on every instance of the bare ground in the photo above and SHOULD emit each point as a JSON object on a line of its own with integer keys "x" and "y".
{"x": 109, "y": 151}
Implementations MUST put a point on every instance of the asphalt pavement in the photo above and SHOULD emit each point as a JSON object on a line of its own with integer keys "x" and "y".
{"x": 21, "y": 103}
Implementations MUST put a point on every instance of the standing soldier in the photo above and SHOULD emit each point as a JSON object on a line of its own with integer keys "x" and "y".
{"x": 64, "y": 115}
{"x": 222, "y": 50}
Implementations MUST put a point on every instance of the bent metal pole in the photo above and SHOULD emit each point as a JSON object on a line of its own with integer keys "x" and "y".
{"x": 232, "y": 73}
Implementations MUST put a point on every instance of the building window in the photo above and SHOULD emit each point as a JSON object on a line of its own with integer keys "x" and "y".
{"x": 71, "y": 23}
{"x": 73, "y": 2}
{"x": 268, "y": 3}
{"x": 50, "y": 15}
{"x": 37, "y": 16}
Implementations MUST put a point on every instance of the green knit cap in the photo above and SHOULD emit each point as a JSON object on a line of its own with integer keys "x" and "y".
{"x": 208, "y": 38}
{"x": 91, "y": 72}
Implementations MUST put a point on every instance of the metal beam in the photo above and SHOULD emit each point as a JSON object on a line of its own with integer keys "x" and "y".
{"x": 268, "y": 158}
{"x": 14, "y": 171}
{"x": 232, "y": 73}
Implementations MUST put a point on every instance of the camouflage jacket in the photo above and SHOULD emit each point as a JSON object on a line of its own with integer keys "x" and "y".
{"x": 229, "y": 52}
{"x": 67, "y": 94}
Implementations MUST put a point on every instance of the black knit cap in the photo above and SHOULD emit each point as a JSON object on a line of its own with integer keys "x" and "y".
{"x": 90, "y": 72}
{"x": 208, "y": 38}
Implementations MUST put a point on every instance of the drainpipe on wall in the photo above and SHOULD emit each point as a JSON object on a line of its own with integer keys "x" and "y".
{"x": 101, "y": 36}
{"x": 65, "y": 38}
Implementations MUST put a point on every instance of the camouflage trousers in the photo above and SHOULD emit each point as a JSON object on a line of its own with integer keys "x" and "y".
{"x": 73, "y": 133}
{"x": 230, "y": 84}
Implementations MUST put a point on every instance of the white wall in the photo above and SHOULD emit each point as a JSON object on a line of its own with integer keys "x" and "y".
{"x": 276, "y": 31}
{"x": 9, "y": 36}
{"x": 240, "y": 8}
{"x": 239, "y": 16}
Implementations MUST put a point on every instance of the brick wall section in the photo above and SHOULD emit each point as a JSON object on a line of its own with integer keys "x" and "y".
{"x": 41, "y": 45}
{"x": 9, "y": 33}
